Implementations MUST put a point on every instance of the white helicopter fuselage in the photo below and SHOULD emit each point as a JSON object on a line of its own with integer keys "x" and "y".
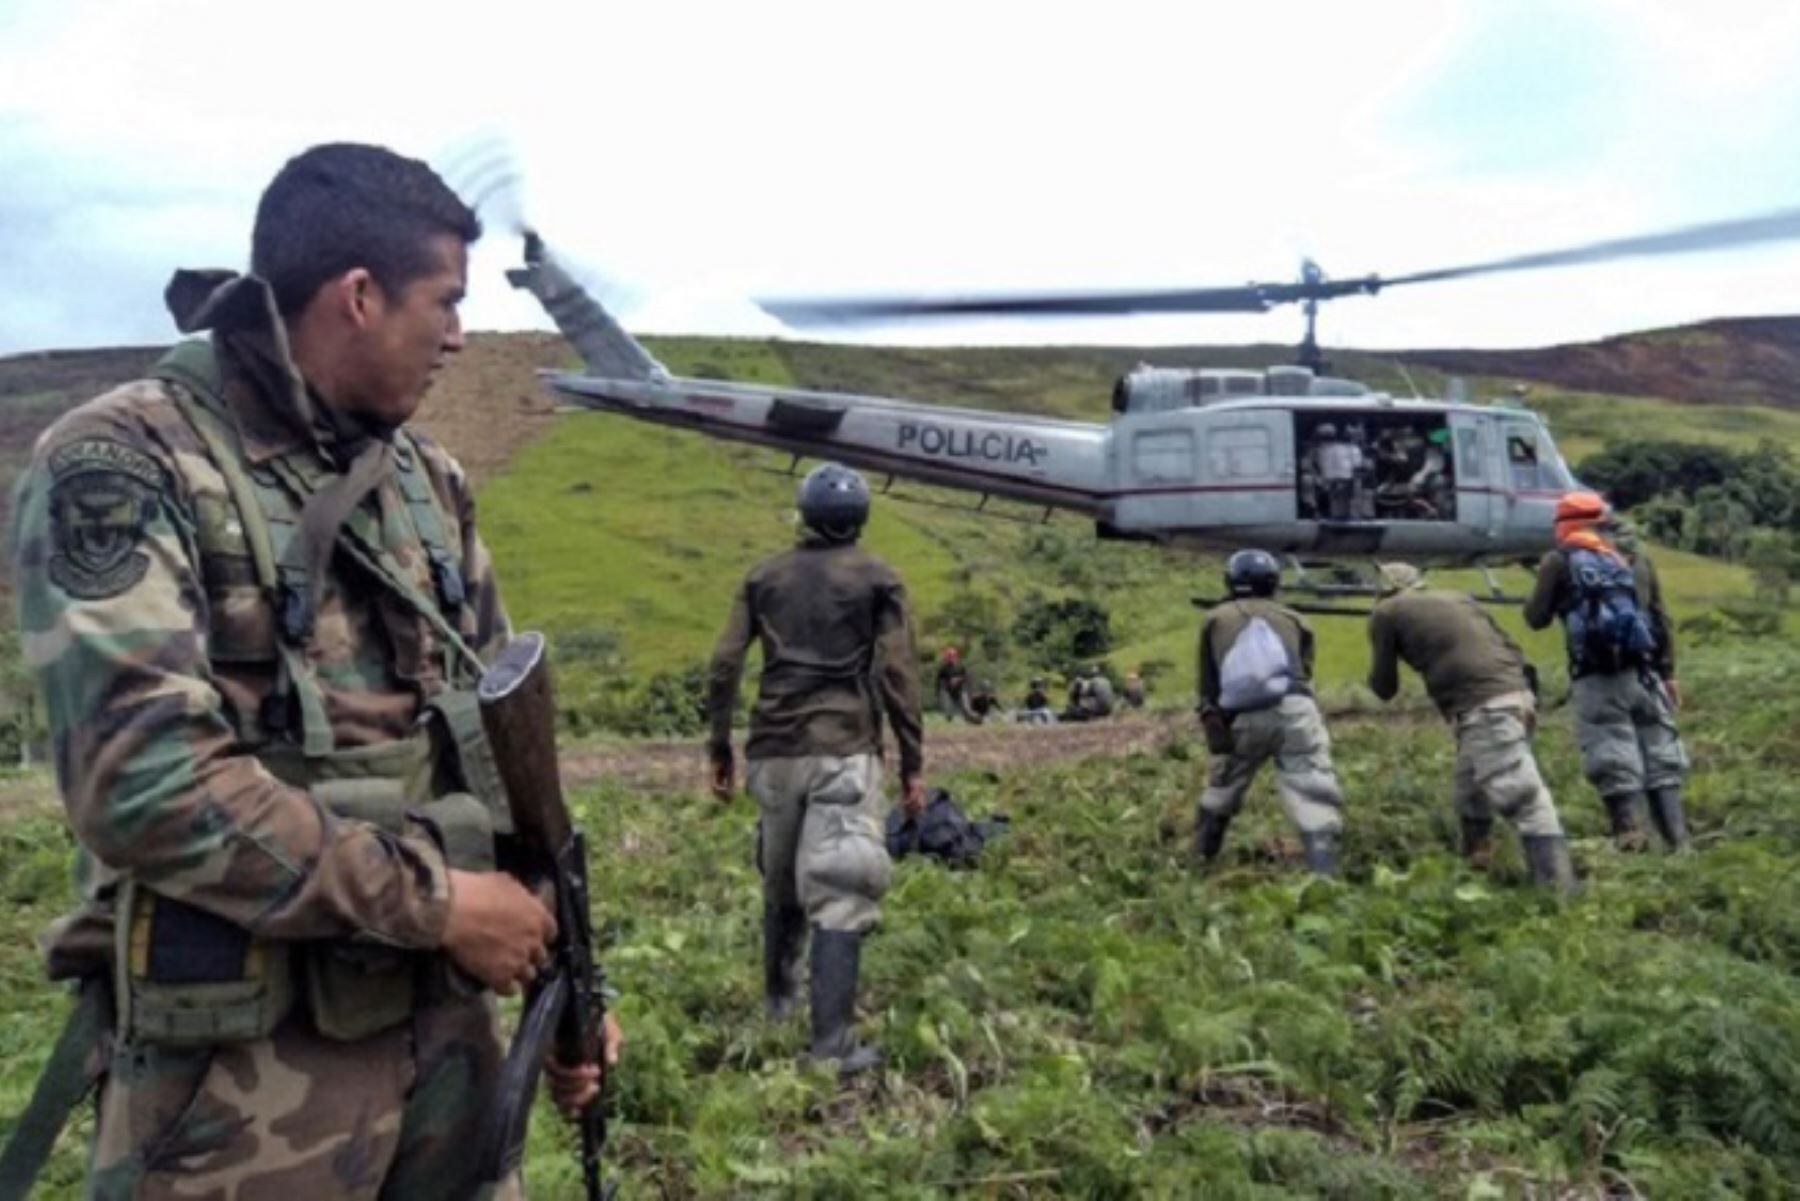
{"x": 1221, "y": 475}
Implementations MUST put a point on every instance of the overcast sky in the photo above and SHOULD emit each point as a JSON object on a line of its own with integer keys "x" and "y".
{"x": 698, "y": 154}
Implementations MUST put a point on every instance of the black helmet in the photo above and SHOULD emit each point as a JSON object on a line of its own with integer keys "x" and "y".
{"x": 834, "y": 502}
{"x": 1252, "y": 573}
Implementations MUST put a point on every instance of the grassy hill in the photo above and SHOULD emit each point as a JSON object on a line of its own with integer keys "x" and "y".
{"x": 1754, "y": 360}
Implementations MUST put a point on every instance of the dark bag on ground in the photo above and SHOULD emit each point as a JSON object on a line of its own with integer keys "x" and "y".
{"x": 943, "y": 832}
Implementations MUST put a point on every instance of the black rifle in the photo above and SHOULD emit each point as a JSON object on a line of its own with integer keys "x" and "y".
{"x": 567, "y": 1002}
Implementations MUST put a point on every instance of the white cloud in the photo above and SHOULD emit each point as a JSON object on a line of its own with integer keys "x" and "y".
{"x": 702, "y": 152}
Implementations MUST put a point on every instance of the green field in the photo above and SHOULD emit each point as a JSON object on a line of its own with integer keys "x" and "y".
{"x": 1086, "y": 1016}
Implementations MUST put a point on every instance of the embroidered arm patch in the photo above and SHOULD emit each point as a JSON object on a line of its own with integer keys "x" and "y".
{"x": 102, "y": 494}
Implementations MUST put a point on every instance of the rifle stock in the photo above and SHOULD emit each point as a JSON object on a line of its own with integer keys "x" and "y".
{"x": 567, "y": 1005}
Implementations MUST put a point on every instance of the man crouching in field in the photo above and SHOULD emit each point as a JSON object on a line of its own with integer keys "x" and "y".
{"x": 1476, "y": 676}
{"x": 837, "y": 652}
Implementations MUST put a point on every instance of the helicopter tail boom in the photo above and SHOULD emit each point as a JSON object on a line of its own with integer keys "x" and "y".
{"x": 601, "y": 341}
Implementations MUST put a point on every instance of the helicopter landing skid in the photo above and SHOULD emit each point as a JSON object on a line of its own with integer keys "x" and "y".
{"x": 1330, "y": 581}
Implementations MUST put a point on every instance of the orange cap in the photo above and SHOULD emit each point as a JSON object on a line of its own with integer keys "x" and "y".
{"x": 1580, "y": 506}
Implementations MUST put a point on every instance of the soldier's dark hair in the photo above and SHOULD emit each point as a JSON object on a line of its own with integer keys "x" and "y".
{"x": 340, "y": 206}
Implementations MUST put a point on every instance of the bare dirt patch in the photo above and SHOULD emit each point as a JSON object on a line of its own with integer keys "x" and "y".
{"x": 680, "y": 765}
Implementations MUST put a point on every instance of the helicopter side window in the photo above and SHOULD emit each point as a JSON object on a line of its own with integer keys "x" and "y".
{"x": 1240, "y": 452}
{"x": 1163, "y": 455}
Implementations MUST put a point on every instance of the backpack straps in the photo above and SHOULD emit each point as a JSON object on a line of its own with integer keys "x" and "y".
{"x": 194, "y": 367}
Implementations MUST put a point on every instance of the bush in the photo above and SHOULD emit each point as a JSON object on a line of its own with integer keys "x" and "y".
{"x": 1058, "y": 633}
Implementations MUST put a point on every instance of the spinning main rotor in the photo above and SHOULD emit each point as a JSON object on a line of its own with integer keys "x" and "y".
{"x": 1311, "y": 289}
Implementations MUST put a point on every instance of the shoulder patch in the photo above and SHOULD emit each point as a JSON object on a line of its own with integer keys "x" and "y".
{"x": 101, "y": 496}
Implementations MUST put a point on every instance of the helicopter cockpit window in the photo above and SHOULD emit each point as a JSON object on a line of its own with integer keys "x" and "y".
{"x": 1240, "y": 452}
{"x": 1529, "y": 472}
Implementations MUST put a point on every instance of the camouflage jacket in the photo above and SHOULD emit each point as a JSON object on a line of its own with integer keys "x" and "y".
{"x": 156, "y": 651}
{"x": 1450, "y": 640}
{"x": 837, "y": 651}
{"x": 1220, "y": 631}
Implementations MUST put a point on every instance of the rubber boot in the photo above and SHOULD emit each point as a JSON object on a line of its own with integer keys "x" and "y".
{"x": 1209, "y": 834}
{"x": 784, "y": 937}
{"x": 1477, "y": 840}
{"x": 1666, "y": 814}
{"x": 1621, "y": 811}
{"x": 836, "y": 958}
{"x": 1321, "y": 848}
{"x": 1548, "y": 857}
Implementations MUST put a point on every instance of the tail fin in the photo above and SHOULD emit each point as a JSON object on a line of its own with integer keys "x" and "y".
{"x": 601, "y": 342}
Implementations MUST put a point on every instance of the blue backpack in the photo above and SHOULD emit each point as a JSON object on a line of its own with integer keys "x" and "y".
{"x": 1606, "y": 628}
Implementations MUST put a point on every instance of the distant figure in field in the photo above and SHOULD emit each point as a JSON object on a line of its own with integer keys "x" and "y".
{"x": 984, "y": 702}
{"x": 1477, "y": 677}
{"x": 952, "y": 691}
{"x": 1621, "y": 648}
{"x": 1090, "y": 695}
{"x": 1133, "y": 693}
{"x": 1256, "y": 704}
{"x": 1036, "y": 708}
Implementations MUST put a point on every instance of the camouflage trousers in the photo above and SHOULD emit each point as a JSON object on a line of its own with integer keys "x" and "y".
{"x": 297, "y": 1115}
{"x": 1495, "y": 769}
{"x": 1293, "y": 735}
{"x": 1626, "y": 728}
{"x": 821, "y": 839}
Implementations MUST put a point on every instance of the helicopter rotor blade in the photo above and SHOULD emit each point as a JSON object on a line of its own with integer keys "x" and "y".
{"x": 1693, "y": 239}
{"x": 802, "y": 312}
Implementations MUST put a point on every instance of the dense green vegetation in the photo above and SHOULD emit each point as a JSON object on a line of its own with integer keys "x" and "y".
{"x": 1086, "y": 1016}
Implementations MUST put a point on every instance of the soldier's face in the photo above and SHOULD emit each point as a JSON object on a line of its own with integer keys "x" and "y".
{"x": 408, "y": 337}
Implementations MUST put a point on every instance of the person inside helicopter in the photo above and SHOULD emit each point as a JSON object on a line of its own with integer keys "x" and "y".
{"x": 1382, "y": 467}
{"x": 1337, "y": 463}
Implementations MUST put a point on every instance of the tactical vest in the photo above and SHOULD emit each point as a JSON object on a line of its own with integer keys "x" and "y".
{"x": 184, "y": 976}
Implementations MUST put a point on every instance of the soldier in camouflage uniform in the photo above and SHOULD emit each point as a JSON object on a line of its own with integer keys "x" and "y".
{"x": 1290, "y": 730}
{"x": 837, "y": 653}
{"x": 1631, "y": 751}
{"x": 1477, "y": 677}
{"x": 254, "y": 603}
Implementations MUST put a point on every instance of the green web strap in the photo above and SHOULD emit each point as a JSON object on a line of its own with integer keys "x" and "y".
{"x": 195, "y": 366}
{"x": 361, "y": 540}
{"x": 66, "y": 1079}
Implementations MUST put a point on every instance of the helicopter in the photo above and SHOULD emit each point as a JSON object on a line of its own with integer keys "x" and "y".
{"x": 1201, "y": 458}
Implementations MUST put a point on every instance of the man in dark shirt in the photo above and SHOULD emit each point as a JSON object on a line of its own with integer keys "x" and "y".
{"x": 1288, "y": 729}
{"x": 837, "y": 652}
{"x": 1476, "y": 676}
{"x": 1624, "y": 702}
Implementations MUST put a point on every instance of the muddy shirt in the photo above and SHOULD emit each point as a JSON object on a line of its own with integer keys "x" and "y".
{"x": 1554, "y": 595}
{"x": 837, "y": 652}
{"x": 1219, "y": 632}
{"x": 1448, "y": 639}
{"x": 158, "y": 660}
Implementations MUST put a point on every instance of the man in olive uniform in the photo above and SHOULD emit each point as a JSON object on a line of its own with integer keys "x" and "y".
{"x": 1476, "y": 675}
{"x": 254, "y": 603}
{"x": 1285, "y": 725}
{"x": 1625, "y": 695}
{"x": 837, "y": 653}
